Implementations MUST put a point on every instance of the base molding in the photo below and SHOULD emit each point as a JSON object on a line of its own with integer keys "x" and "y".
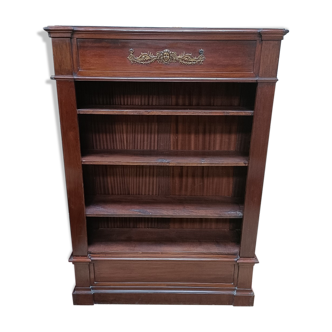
{"x": 244, "y": 298}
{"x": 104, "y": 295}
{"x": 83, "y": 296}
{"x": 105, "y": 280}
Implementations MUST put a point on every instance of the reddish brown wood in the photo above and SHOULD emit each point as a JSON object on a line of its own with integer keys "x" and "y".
{"x": 167, "y": 96}
{"x": 126, "y": 78}
{"x": 194, "y": 133}
{"x": 171, "y": 241}
{"x": 169, "y": 213}
{"x": 221, "y": 296}
{"x": 62, "y": 56}
{"x": 256, "y": 169}
{"x": 108, "y": 57}
{"x": 165, "y": 158}
{"x": 198, "y": 271}
{"x": 73, "y": 166}
{"x": 102, "y": 52}
{"x": 165, "y": 223}
{"x": 270, "y": 58}
{"x": 159, "y": 207}
{"x": 173, "y": 110}
{"x": 161, "y": 181}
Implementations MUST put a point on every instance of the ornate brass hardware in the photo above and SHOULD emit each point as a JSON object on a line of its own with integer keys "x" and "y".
{"x": 166, "y": 57}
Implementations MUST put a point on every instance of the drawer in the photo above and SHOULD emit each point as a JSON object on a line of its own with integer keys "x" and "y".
{"x": 165, "y": 58}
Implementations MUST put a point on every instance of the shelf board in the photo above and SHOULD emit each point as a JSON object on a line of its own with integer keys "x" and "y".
{"x": 169, "y": 110}
{"x": 163, "y": 207}
{"x": 165, "y": 158}
{"x": 160, "y": 241}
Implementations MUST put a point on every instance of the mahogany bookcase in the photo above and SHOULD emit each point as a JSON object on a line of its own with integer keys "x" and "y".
{"x": 164, "y": 133}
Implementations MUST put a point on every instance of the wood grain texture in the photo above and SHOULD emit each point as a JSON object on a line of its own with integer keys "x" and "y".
{"x": 108, "y": 57}
{"x": 269, "y": 58}
{"x": 164, "y": 271}
{"x": 97, "y": 222}
{"x": 168, "y": 32}
{"x": 164, "y": 223}
{"x": 170, "y": 110}
{"x": 256, "y": 169}
{"x": 175, "y": 297}
{"x": 73, "y": 166}
{"x": 211, "y": 133}
{"x": 207, "y": 181}
{"x": 122, "y": 180}
{"x": 119, "y": 132}
{"x": 62, "y": 56}
{"x": 170, "y": 241}
{"x": 173, "y": 160}
{"x": 194, "y": 133}
{"x": 165, "y": 158}
{"x": 82, "y": 274}
{"x": 157, "y": 180}
{"x": 165, "y": 94}
{"x": 159, "y": 207}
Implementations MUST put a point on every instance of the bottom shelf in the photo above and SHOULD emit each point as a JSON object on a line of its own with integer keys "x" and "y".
{"x": 171, "y": 241}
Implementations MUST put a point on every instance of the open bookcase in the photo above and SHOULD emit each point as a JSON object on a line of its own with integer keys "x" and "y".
{"x": 164, "y": 165}
{"x": 164, "y": 172}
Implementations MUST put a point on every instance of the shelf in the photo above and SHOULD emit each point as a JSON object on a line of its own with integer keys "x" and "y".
{"x": 169, "y": 110}
{"x": 165, "y": 158}
{"x": 173, "y": 241}
{"x": 163, "y": 207}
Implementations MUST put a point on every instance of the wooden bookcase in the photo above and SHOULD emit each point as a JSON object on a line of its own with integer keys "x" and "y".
{"x": 165, "y": 134}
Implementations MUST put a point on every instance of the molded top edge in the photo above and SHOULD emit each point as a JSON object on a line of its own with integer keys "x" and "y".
{"x": 170, "y": 26}
{"x": 157, "y": 28}
{"x": 59, "y": 31}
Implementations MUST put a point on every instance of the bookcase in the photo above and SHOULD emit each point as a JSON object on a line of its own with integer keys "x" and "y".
{"x": 165, "y": 134}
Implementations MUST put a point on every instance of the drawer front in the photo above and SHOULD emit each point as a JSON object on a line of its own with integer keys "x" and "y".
{"x": 163, "y": 271}
{"x": 165, "y": 58}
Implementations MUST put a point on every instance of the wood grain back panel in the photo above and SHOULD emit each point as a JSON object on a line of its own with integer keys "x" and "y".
{"x": 149, "y": 132}
{"x": 164, "y": 181}
{"x": 214, "y": 133}
{"x": 121, "y": 180}
{"x": 202, "y": 181}
{"x": 118, "y": 132}
{"x": 171, "y": 242}
{"x": 164, "y": 223}
{"x": 164, "y": 94}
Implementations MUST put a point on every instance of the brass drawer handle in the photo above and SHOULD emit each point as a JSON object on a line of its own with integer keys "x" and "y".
{"x": 166, "y": 57}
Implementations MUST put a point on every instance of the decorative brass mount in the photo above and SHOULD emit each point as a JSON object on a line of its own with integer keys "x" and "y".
{"x": 166, "y": 57}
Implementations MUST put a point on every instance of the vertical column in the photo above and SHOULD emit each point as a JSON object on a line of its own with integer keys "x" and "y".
{"x": 256, "y": 168}
{"x": 268, "y": 68}
{"x": 244, "y": 294}
{"x": 255, "y": 178}
{"x": 73, "y": 166}
{"x": 82, "y": 295}
{"x": 63, "y": 66}
{"x": 257, "y": 158}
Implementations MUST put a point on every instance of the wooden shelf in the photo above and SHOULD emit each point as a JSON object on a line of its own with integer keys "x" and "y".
{"x": 172, "y": 241}
{"x": 169, "y": 110}
{"x": 161, "y": 207}
{"x": 165, "y": 158}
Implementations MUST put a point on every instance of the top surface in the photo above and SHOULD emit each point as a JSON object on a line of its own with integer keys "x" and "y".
{"x": 164, "y": 29}
{"x": 170, "y": 26}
